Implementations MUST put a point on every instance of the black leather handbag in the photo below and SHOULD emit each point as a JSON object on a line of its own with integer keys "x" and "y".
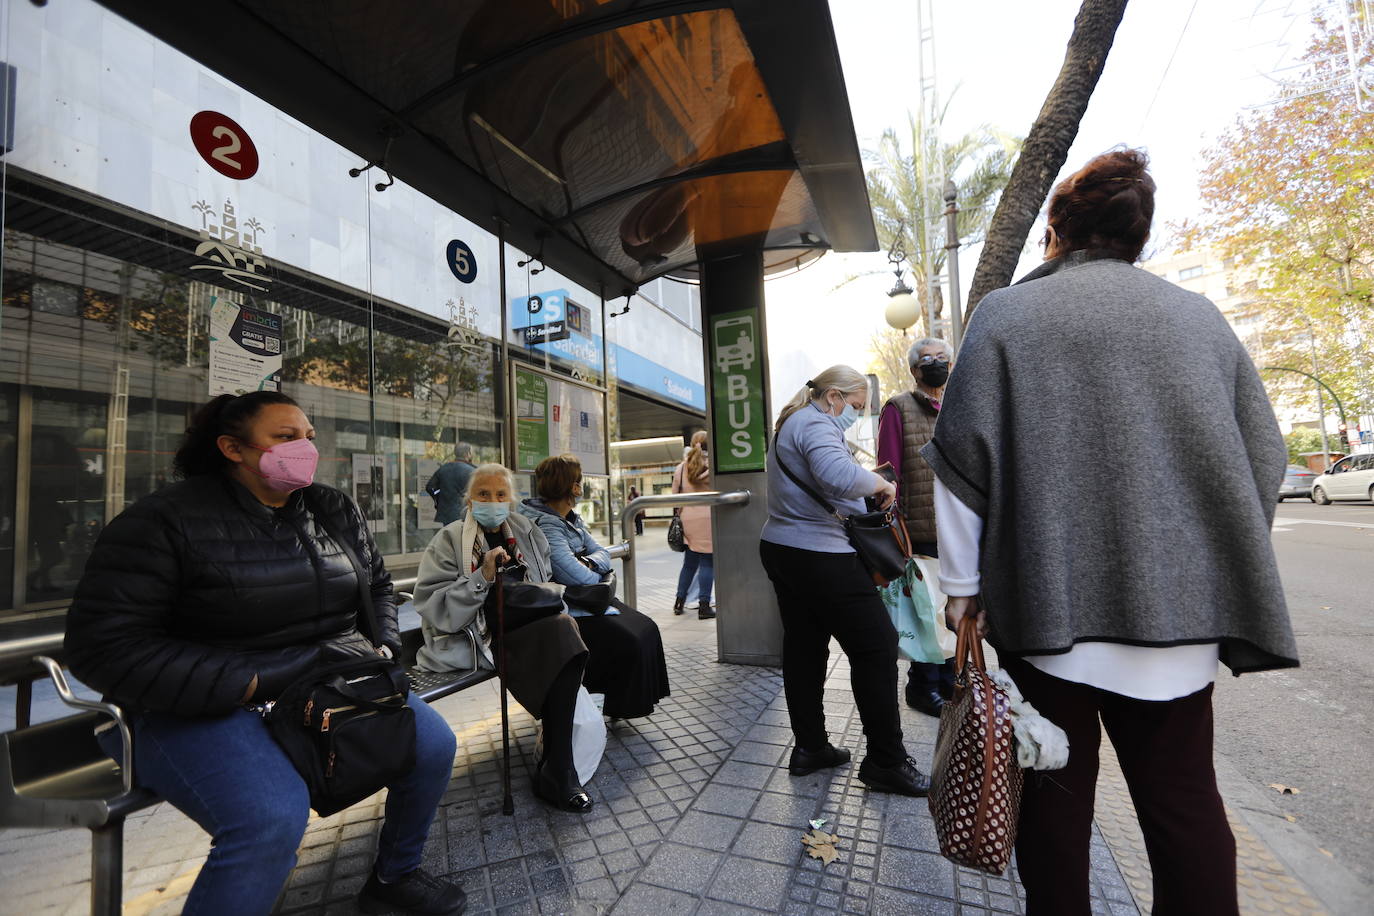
{"x": 346, "y": 726}
{"x": 879, "y": 538}
{"x": 525, "y": 602}
{"x": 593, "y": 599}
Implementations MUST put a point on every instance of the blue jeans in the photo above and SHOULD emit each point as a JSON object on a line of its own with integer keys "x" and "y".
{"x": 702, "y": 566}
{"x": 229, "y": 776}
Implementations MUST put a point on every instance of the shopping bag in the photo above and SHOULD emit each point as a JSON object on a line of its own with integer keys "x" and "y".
{"x": 930, "y": 567}
{"x": 909, "y": 604}
{"x": 588, "y": 737}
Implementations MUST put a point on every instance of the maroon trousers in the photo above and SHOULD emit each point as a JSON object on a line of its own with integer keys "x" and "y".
{"x": 1165, "y": 750}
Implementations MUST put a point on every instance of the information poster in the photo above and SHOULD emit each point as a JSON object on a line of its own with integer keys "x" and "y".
{"x": 737, "y": 391}
{"x": 555, "y": 417}
{"x": 245, "y": 349}
{"x": 426, "y": 515}
{"x": 369, "y": 489}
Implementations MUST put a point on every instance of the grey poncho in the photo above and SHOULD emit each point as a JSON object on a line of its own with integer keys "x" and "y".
{"x": 1116, "y": 439}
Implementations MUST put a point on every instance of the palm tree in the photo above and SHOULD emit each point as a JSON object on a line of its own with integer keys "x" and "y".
{"x": 1047, "y": 144}
{"x": 904, "y": 199}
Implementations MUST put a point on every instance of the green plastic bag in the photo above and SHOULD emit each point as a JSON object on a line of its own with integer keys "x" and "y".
{"x": 913, "y": 613}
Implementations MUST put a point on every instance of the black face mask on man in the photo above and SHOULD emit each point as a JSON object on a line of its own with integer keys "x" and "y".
{"x": 935, "y": 374}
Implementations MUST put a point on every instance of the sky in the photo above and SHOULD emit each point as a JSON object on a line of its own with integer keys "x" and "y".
{"x": 1179, "y": 73}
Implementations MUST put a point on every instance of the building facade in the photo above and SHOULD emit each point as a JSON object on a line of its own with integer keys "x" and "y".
{"x": 169, "y": 237}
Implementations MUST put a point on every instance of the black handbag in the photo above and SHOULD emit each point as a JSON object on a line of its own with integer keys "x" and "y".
{"x": 525, "y": 602}
{"x": 879, "y": 538}
{"x": 591, "y": 598}
{"x": 677, "y": 541}
{"x": 345, "y": 726}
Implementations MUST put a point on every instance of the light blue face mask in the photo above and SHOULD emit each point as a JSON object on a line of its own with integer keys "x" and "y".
{"x": 847, "y": 418}
{"x": 490, "y": 515}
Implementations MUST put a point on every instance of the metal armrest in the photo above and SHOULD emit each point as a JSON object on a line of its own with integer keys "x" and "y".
{"x": 64, "y": 691}
{"x": 476, "y": 657}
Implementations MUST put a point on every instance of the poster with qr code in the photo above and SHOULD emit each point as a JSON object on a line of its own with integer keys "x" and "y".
{"x": 245, "y": 349}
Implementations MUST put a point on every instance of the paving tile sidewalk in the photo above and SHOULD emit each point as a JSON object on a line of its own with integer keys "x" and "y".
{"x": 696, "y": 813}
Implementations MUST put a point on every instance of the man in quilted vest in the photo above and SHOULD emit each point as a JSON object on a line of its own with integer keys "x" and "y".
{"x": 905, "y": 426}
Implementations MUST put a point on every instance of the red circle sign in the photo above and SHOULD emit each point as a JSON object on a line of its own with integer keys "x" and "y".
{"x": 224, "y": 144}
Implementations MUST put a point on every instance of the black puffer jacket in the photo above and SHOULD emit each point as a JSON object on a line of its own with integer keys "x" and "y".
{"x": 193, "y": 590}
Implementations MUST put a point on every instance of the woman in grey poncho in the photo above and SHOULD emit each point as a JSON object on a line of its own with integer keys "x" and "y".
{"x": 1078, "y": 495}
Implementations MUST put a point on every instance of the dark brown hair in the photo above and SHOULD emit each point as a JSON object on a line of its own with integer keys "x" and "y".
{"x": 226, "y": 415}
{"x": 1109, "y": 203}
{"x": 554, "y": 476}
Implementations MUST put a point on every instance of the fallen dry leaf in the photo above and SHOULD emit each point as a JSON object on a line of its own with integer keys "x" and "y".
{"x": 1290, "y": 818}
{"x": 825, "y": 853}
{"x": 821, "y": 845}
{"x": 1286, "y": 790}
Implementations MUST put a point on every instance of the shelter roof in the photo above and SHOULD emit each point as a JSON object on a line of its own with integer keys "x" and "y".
{"x": 620, "y": 139}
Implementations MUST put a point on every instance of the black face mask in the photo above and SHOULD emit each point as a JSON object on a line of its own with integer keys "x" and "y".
{"x": 935, "y": 374}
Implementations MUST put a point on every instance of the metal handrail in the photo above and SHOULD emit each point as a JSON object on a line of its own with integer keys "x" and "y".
{"x": 633, "y": 508}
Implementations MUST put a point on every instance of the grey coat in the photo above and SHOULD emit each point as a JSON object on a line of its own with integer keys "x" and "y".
{"x": 448, "y": 594}
{"x": 1114, "y": 435}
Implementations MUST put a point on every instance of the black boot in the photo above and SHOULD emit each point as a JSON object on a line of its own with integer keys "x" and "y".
{"x": 677, "y": 605}
{"x": 705, "y": 611}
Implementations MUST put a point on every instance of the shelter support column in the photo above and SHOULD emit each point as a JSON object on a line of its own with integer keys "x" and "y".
{"x": 734, "y": 337}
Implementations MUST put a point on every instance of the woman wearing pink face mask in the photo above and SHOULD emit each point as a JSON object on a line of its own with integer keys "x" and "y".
{"x": 220, "y": 590}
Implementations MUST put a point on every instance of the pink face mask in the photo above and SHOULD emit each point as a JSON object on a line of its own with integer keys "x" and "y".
{"x": 288, "y": 466}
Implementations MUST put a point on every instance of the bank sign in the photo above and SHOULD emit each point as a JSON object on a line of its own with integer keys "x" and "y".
{"x": 737, "y": 394}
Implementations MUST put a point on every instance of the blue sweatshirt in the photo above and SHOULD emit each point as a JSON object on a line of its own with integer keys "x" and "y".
{"x": 813, "y": 448}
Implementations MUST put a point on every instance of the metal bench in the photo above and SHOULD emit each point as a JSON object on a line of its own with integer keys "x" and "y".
{"x": 54, "y": 774}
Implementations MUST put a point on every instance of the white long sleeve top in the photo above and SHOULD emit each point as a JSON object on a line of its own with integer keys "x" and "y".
{"x": 1141, "y": 672}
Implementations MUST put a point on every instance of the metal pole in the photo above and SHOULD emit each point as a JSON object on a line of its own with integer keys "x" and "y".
{"x": 627, "y": 521}
{"x": 107, "y": 868}
{"x": 956, "y": 309}
{"x": 1321, "y": 405}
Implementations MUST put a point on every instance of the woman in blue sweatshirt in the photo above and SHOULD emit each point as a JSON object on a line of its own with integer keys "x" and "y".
{"x": 625, "y": 660}
{"x": 823, "y": 589}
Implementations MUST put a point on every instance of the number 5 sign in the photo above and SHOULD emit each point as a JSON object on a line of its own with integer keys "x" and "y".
{"x": 224, "y": 145}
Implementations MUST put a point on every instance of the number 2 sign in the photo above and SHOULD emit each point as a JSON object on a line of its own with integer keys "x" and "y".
{"x": 225, "y": 145}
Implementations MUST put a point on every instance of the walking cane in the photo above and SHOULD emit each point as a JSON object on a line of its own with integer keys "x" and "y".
{"x": 507, "y": 802}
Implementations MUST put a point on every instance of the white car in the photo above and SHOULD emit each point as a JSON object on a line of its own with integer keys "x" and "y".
{"x": 1350, "y": 478}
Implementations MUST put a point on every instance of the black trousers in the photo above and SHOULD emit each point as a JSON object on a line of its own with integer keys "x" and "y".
{"x": 821, "y": 595}
{"x": 1165, "y": 749}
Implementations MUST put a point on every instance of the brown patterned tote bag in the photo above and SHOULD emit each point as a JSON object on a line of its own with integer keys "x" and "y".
{"x": 975, "y": 783}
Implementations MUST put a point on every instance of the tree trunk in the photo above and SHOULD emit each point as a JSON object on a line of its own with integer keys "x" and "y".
{"x": 1047, "y": 145}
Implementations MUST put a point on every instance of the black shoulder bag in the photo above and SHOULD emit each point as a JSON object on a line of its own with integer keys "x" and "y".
{"x": 346, "y": 726}
{"x": 879, "y": 538}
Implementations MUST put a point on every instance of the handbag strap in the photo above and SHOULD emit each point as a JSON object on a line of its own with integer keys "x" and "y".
{"x": 968, "y": 643}
{"x": 369, "y": 612}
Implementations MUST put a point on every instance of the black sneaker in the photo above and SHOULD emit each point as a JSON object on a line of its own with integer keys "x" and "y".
{"x": 418, "y": 892}
{"x": 804, "y": 763}
{"x": 902, "y": 779}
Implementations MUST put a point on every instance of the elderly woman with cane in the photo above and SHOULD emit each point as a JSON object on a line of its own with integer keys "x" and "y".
{"x": 544, "y": 658}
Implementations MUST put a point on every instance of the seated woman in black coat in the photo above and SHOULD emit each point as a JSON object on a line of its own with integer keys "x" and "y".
{"x": 626, "y": 649}
{"x": 218, "y": 591}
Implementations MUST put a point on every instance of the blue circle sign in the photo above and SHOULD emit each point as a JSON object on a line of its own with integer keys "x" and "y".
{"x": 462, "y": 261}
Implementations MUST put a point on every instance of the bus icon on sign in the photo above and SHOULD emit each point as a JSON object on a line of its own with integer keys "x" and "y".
{"x": 735, "y": 344}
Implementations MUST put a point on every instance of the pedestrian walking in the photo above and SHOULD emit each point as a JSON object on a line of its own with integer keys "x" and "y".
{"x": 448, "y": 485}
{"x": 1084, "y": 519}
{"x": 639, "y": 516}
{"x": 693, "y": 475}
{"x": 904, "y": 427}
{"x": 221, "y": 590}
{"x": 823, "y": 590}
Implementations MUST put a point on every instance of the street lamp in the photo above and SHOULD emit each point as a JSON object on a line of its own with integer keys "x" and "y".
{"x": 903, "y": 309}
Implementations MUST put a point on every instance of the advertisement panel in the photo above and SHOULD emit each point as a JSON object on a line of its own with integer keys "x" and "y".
{"x": 554, "y": 416}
